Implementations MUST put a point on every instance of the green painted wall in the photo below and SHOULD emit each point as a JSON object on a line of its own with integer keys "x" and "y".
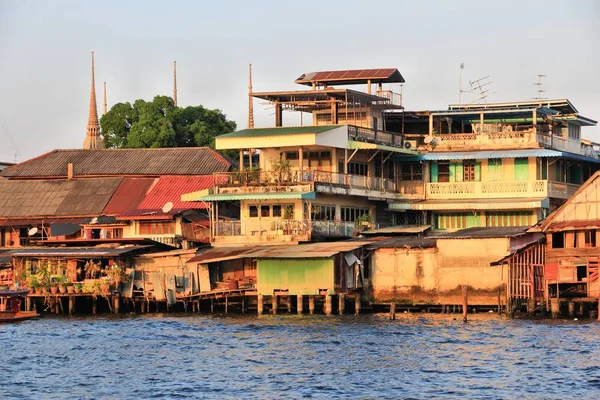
{"x": 299, "y": 276}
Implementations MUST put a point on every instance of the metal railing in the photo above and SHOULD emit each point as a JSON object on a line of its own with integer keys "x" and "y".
{"x": 500, "y": 189}
{"x": 368, "y": 135}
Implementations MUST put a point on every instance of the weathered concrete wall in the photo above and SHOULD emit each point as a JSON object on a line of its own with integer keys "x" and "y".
{"x": 435, "y": 275}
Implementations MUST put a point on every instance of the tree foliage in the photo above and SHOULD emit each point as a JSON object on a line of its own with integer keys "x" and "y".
{"x": 160, "y": 123}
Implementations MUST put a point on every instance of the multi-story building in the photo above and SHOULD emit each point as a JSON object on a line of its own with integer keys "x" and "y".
{"x": 365, "y": 161}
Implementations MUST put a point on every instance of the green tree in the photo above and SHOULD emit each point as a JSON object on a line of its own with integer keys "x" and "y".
{"x": 160, "y": 123}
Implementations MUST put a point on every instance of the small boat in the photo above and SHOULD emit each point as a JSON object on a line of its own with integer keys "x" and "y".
{"x": 10, "y": 306}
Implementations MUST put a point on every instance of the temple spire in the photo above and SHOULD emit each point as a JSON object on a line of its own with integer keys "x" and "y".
{"x": 175, "y": 83}
{"x": 92, "y": 138}
{"x": 104, "y": 108}
{"x": 250, "y": 102}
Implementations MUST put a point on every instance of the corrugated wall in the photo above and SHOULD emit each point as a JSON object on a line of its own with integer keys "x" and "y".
{"x": 303, "y": 277}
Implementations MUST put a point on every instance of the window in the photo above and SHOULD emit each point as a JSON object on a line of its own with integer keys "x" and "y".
{"x": 495, "y": 169}
{"x": 291, "y": 155}
{"x": 323, "y": 212}
{"x": 521, "y": 169}
{"x": 253, "y": 211}
{"x": 558, "y": 240}
{"x": 265, "y": 211}
{"x": 410, "y": 218}
{"x": 469, "y": 171}
{"x": 411, "y": 172}
{"x": 574, "y": 131}
{"x": 508, "y": 218}
{"x": 157, "y": 228}
{"x": 456, "y": 220}
{"x": 443, "y": 172}
{"x": 277, "y": 210}
{"x": 590, "y": 238}
{"x": 350, "y": 214}
{"x": 356, "y": 168}
{"x": 288, "y": 211}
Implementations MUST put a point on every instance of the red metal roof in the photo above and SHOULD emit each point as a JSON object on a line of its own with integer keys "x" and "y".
{"x": 346, "y": 77}
{"x": 574, "y": 224}
{"x": 128, "y": 195}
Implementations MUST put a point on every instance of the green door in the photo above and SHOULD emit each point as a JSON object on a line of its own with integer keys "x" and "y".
{"x": 521, "y": 169}
{"x": 495, "y": 169}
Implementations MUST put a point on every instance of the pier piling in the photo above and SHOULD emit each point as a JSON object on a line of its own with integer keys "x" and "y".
{"x": 392, "y": 311}
{"x": 328, "y": 304}
{"x": 357, "y": 304}
{"x": 260, "y": 304}
{"x": 300, "y": 304}
{"x": 465, "y": 302}
{"x": 341, "y": 304}
{"x": 311, "y": 305}
{"x": 274, "y": 304}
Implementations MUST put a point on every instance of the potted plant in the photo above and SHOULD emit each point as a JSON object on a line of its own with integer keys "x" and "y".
{"x": 61, "y": 283}
{"x": 33, "y": 283}
{"x": 77, "y": 287}
{"x": 54, "y": 288}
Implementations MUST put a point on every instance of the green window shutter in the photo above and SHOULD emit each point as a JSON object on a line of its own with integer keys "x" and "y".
{"x": 459, "y": 172}
{"x": 452, "y": 172}
{"x": 521, "y": 169}
{"x": 477, "y": 171}
{"x": 494, "y": 170}
{"x": 434, "y": 172}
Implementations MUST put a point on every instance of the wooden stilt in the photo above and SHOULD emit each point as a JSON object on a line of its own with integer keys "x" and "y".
{"x": 499, "y": 303}
{"x": 143, "y": 307}
{"x": 357, "y": 304}
{"x": 226, "y": 304}
{"x": 571, "y": 308}
{"x": 598, "y": 308}
{"x": 341, "y": 304}
{"x": 117, "y": 304}
{"x": 300, "y": 304}
{"x": 328, "y": 304}
{"x": 94, "y": 305}
{"x": 289, "y": 304}
{"x": 28, "y": 304}
{"x": 212, "y": 306}
{"x": 260, "y": 304}
{"x": 243, "y": 304}
{"x": 311, "y": 305}
{"x": 274, "y": 304}
{"x": 393, "y": 311}
{"x": 71, "y": 304}
{"x": 465, "y": 302}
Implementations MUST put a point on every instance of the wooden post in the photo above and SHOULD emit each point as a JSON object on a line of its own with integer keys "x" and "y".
{"x": 571, "y": 308}
{"x": 143, "y": 307}
{"x": 274, "y": 304}
{"x": 289, "y": 304}
{"x": 341, "y": 304}
{"x": 94, "y": 305}
{"x": 243, "y": 304}
{"x": 226, "y": 304}
{"x": 212, "y": 306}
{"x": 300, "y": 304}
{"x": 499, "y": 303}
{"x": 554, "y": 307}
{"x": 311, "y": 305}
{"x": 260, "y": 304}
{"x": 116, "y": 303}
{"x": 27, "y": 303}
{"x": 393, "y": 311}
{"x": 357, "y": 304}
{"x": 465, "y": 302}
{"x": 599, "y": 308}
{"x": 328, "y": 305}
{"x": 56, "y": 304}
{"x": 71, "y": 304}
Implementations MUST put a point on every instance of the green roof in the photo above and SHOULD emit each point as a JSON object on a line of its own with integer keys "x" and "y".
{"x": 283, "y": 130}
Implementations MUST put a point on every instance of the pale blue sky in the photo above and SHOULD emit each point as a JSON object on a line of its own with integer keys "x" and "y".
{"x": 45, "y": 54}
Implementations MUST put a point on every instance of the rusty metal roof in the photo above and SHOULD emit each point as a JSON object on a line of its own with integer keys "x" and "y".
{"x": 128, "y": 195}
{"x": 566, "y": 225}
{"x": 54, "y": 198}
{"x": 145, "y": 162}
{"x": 406, "y": 242}
{"x": 310, "y": 250}
{"x": 351, "y": 77}
{"x": 484, "y": 233}
{"x": 84, "y": 252}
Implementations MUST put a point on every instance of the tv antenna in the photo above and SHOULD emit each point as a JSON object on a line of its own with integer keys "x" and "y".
{"x": 480, "y": 85}
{"x": 460, "y": 91}
{"x": 539, "y": 85}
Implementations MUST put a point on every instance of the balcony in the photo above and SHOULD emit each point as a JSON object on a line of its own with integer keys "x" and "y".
{"x": 368, "y": 135}
{"x": 303, "y": 181}
{"x": 499, "y": 190}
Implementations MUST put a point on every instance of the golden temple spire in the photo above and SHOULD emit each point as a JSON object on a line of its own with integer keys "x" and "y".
{"x": 92, "y": 138}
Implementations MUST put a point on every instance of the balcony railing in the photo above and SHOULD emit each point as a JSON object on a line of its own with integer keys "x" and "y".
{"x": 295, "y": 177}
{"x": 501, "y": 189}
{"x": 392, "y": 98}
{"x": 361, "y": 134}
{"x": 284, "y": 227}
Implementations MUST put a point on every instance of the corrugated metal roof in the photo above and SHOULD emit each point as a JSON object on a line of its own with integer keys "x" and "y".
{"x": 563, "y": 225}
{"x": 347, "y": 77}
{"x": 170, "y": 189}
{"x": 257, "y": 196}
{"x": 310, "y": 250}
{"x": 91, "y": 252}
{"x": 128, "y": 195}
{"x": 484, "y": 233}
{"x": 398, "y": 229}
{"x": 36, "y": 198}
{"x": 149, "y": 162}
{"x": 406, "y": 242}
{"x": 284, "y": 130}
{"x": 471, "y": 204}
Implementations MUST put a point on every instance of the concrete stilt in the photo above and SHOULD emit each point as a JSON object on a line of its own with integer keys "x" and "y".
{"x": 328, "y": 304}
{"x": 357, "y": 304}
{"x": 300, "y": 304}
{"x": 341, "y": 304}
{"x": 71, "y": 304}
{"x": 393, "y": 311}
{"x": 554, "y": 307}
{"x": 289, "y": 304}
{"x": 94, "y": 306}
{"x": 28, "y": 304}
{"x": 311, "y": 305}
{"x": 226, "y": 304}
{"x": 571, "y": 308}
{"x": 116, "y": 304}
{"x": 260, "y": 304}
{"x": 274, "y": 304}
{"x": 243, "y": 304}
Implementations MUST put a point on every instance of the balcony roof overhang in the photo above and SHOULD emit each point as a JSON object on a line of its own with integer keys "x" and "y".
{"x": 471, "y": 204}
{"x": 478, "y": 155}
{"x": 352, "y": 145}
{"x": 203, "y": 196}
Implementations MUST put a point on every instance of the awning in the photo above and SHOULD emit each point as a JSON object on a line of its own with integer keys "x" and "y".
{"x": 61, "y": 229}
{"x": 478, "y": 155}
{"x": 472, "y": 204}
{"x": 82, "y": 252}
{"x": 398, "y": 229}
{"x": 257, "y": 196}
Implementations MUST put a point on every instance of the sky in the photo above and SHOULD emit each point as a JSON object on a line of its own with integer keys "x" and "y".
{"x": 45, "y": 55}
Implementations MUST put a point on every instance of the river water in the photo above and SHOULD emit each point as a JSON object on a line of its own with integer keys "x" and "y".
{"x": 199, "y": 356}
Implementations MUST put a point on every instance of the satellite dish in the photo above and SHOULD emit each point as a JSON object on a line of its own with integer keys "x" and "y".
{"x": 407, "y": 145}
{"x": 94, "y": 220}
{"x": 428, "y": 139}
{"x": 167, "y": 207}
{"x": 32, "y": 231}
